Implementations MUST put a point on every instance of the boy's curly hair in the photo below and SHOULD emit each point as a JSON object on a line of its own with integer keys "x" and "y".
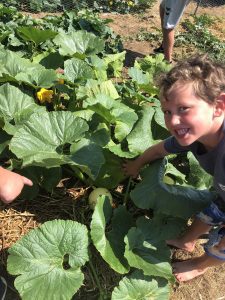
{"x": 207, "y": 77}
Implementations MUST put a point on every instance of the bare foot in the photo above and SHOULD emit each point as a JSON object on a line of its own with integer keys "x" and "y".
{"x": 178, "y": 243}
{"x": 187, "y": 270}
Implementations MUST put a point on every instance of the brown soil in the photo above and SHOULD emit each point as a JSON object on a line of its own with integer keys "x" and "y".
{"x": 20, "y": 217}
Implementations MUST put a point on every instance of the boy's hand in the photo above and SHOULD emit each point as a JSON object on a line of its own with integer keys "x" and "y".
{"x": 11, "y": 185}
{"x": 131, "y": 168}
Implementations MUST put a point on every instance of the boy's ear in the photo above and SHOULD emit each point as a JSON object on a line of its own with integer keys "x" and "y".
{"x": 220, "y": 105}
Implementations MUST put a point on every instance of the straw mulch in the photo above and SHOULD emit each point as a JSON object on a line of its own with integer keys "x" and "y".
{"x": 21, "y": 216}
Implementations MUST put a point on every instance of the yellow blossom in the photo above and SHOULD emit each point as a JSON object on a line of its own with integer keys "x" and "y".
{"x": 130, "y": 3}
{"x": 45, "y": 95}
{"x": 60, "y": 81}
{"x": 110, "y": 3}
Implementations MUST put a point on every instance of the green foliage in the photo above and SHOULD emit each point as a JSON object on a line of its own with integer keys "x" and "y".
{"x": 98, "y": 5}
{"x": 197, "y": 33}
{"x": 30, "y": 36}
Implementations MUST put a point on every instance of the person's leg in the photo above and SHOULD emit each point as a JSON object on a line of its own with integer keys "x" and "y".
{"x": 161, "y": 14}
{"x": 189, "y": 269}
{"x": 168, "y": 43}
{"x": 210, "y": 216}
{"x": 170, "y": 14}
{"x": 188, "y": 240}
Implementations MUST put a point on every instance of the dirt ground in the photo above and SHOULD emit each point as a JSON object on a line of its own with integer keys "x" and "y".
{"x": 20, "y": 217}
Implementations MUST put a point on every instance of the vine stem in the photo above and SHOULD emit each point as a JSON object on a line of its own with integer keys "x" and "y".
{"x": 101, "y": 291}
{"x": 127, "y": 192}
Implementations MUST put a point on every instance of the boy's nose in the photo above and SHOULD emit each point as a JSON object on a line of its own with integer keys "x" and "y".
{"x": 174, "y": 120}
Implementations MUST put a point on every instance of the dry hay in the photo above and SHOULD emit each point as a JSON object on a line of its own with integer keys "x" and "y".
{"x": 21, "y": 216}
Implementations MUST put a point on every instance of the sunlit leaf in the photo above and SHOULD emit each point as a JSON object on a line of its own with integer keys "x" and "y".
{"x": 47, "y": 260}
{"x": 140, "y": 287}
{"x": 111, "y": 244}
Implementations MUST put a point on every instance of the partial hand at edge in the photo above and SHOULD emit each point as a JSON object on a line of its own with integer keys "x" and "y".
{"x": 11, "y": 185}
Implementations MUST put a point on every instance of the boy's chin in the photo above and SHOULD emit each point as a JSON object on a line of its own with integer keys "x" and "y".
{"x": 184, "y": 143}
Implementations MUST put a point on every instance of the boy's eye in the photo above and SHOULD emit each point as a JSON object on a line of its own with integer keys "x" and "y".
{"x": 183, "y": 108}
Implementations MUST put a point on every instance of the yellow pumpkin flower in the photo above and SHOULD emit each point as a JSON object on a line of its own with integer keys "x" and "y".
{"x": 130, "y": 3}
{"x": 61, "y": 81}
{"x": 45, "y": 95}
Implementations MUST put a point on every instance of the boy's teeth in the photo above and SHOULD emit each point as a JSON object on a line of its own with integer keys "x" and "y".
{"x": 182, "y": 131}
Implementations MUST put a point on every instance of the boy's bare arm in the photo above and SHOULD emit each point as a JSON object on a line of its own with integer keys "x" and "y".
{"x": 11, "y": 185}
{"x": 132, "y": 168}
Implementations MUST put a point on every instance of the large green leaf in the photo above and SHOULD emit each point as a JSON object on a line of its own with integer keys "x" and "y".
{"x": 50, "y": 60}
{"x": 12, "y": 64}
{"x": 137, "y": 142}
{"x": 95, "y": 87}
{"x": 100, "y": 134}
{"x": 159, "y": 117}
{"x": 76, "y": 69}
{"x": 48, "y": 260}
{"x": 38, "y": 77}
{"x": 153, "y": 64}
{"x": 16, "y": 105}
{"x": 117, "y": 150}
{"x": 115, "y": 63}
{"x": 37, "y": 36}
{"x": 139, "y": 76}
{"x": 114, "y": 112}
{"x": 43, "y": 138}
{"x": 99, "y": 66}
{"x": 79, "y": 42}
{"x": 161, "y": 227}
{"x": 148, "y": 253}
{"x": 111, "y": 173}
{"x": 41, "y": 177}
{"x": 88, "y": 156}
{"x": 140, "y": 287}
{"x": 111, "y": 244}
{"x": 172, "y": 200}
{"x": 197, "y": 176}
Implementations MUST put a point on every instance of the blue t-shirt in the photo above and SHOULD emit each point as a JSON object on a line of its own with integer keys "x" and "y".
{"x": 213, "y": 161}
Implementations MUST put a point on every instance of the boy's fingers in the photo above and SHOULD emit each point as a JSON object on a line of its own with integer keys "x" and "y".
{"x": 27, "y": 181}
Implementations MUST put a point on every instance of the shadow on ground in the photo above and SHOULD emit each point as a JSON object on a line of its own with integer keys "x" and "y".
{"x": 131, "y": 57}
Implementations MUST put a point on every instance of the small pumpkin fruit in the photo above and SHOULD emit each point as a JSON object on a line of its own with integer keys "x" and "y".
{"x": 93, "y": 197}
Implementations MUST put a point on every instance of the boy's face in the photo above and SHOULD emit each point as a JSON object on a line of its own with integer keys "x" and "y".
{"x": 188, "y": 117}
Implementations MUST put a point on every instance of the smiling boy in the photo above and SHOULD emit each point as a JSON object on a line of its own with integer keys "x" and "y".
{"x": 193, "y": 101}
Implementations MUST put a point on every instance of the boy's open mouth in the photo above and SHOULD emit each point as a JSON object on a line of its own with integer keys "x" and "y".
{"x": 181, "y": 132}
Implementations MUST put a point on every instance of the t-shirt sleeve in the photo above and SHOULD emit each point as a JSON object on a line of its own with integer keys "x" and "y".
{"x": 172, "y": 146}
